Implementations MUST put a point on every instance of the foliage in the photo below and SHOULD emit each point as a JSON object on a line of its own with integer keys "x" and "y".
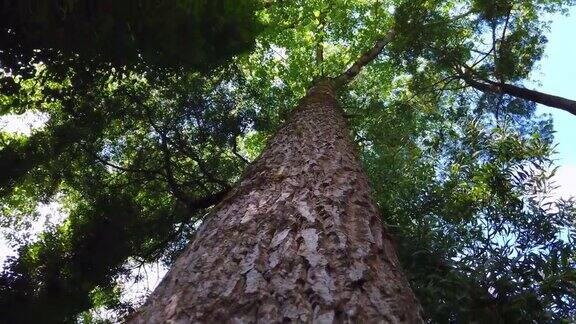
{"x": 137, "y": 155}
{"x": 137, "y": 165}
{"x": 480, "y": 228}
{"x": 190, "y": 34}
{"x": 135, "y": 142}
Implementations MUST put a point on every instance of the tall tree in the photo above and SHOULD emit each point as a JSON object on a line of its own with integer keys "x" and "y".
{"x": 175, "y": 300}
{"x": 459, "y": 177}
{"x": 298, "y": 239}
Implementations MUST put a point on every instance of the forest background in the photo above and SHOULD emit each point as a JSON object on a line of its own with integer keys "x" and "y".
{"x": 553, "y": 76}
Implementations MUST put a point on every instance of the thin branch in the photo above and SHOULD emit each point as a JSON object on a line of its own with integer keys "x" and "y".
{"x": 237, "y": 154}
{"x": 201, "y": 165}
{"x": 479, "y": 52}
{"x": 117, "y": 167}
{"x": 319, "y": 41}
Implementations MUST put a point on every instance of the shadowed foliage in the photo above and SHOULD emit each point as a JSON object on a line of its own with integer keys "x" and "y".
{"x": 190, "y": 34}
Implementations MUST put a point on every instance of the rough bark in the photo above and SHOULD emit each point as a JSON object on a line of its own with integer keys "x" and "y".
{"x": 299, "y": 239}
{"x": 523, "y": 93}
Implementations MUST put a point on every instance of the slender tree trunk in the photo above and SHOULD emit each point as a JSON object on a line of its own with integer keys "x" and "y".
{"x": 298, "y": 239}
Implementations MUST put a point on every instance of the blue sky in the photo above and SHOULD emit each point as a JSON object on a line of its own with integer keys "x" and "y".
{"x": 557, "y": 75}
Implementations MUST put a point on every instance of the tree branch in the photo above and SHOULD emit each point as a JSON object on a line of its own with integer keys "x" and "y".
{"x": 522, "y": 93}
{"x": 320, "y": 39}
{"x": 366, "y": 58}
{"x": 121, "y": 168}
{"x": 236, "y": 153}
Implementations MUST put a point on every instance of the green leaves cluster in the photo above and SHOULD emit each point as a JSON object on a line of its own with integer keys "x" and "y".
{"x": 137, "y": 166}
{"x": 137, "y": 145}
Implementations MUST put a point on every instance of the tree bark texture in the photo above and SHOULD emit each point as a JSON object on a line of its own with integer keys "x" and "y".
{"x": 299, "y": 239}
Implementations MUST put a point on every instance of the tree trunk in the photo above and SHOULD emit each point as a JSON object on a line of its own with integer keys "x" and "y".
{"x": 298, "y": 239}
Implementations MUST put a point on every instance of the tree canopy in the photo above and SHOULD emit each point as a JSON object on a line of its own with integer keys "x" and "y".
{"x": 171, "y": 34}
{"x": 155, "y": 108}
